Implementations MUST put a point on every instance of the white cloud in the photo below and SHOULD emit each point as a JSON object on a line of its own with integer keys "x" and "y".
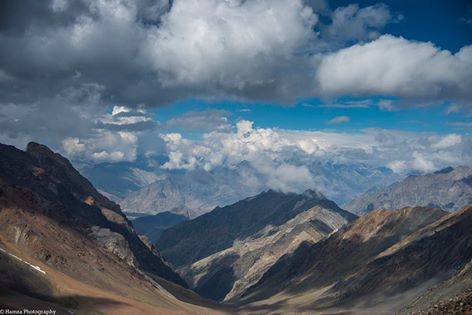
{"x": 397, "y": 67}
{"x": 72, "y": 146}
{"x": 113, "y": 138}
{"x": 452, "y": 109}
{"x": 447, "y": 141}
{"x": 273, "y": 50}
{"x": 339, "y": 120}
{"x": 354, "y": 23}
{"x": 284, "y": 156}
{"x": 105, "y": 146}
{"x": 387, "y": 105}
{"x": 229, "y": 44}
{"x": 286, "y": 177}
{"x": 398, "y": 166}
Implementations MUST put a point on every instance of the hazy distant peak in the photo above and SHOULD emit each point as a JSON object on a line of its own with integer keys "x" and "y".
{"x": 448, "y": 189}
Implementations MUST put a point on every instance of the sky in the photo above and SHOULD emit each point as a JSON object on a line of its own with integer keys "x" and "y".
{"x": 210, "y": 83}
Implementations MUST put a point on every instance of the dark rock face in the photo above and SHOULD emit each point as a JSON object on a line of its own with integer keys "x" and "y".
{"x": 222, "y": 253}
{"x": 449, "y": 189}
{"x": 45, "y": 183}
{"x": 193, "y": 240}
{"x": 153, "y": 225}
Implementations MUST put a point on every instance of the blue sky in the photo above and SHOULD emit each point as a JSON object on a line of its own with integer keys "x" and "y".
{"x": 314, "y": 114}
{"x": 445, "y": 23}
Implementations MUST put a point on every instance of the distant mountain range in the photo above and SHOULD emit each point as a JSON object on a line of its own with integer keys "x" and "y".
{"x": 139, "y": 187}
{"x": 223, "y": 252}
{"x": 449, "y": 189}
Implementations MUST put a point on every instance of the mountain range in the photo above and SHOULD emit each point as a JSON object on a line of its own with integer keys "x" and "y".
{"x": 145, "y": 187}
{"x": 449, "y": 189}
{"x": 385, "y": 262}
{"x": 223, "y": 252}
{"x": 65, "y": 246}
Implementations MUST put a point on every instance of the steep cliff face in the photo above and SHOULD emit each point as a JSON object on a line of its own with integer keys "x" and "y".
{"x": 227, "y": 250}
{"x": 43, "y": 186}
{"x": 449, "y": 189}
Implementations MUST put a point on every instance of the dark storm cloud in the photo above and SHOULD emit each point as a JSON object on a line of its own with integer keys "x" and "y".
{"x": 137, "y": 57}
{"x": 156, "y": 52}
{"x": 48, "y": 47}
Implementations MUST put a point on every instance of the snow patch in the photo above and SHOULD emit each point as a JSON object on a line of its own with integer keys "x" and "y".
{"x": 25, "y": 262}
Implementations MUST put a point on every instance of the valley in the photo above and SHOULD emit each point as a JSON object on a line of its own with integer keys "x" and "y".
{"x": 66, "y": 246}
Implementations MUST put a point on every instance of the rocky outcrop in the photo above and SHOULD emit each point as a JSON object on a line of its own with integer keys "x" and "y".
{"x": 449, "y": 189}
{"x": 114, "y": 243}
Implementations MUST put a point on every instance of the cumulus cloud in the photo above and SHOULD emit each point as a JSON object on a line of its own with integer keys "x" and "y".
{"x": 394, "y": 66}
{"x": 231, "y": 44}
{"x": 257, "y": 49}
{"x": 105, "y": 146}
{"x": 162, "y": 50}
{"x": 277, "y": 152}
{"x": 113, "y": 138}
{"x": 124, "y": 118}
{"x": 63, "y": 63}
{"x": 352, "y": 23}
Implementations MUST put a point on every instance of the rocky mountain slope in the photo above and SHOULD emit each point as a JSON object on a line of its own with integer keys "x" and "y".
{"x": 377, "y": 264}
{"x": 225, "y": 251}
{"x": 80, "y": 243}
{"x": 448, "y": 189}
{"x": 152, "y": 226}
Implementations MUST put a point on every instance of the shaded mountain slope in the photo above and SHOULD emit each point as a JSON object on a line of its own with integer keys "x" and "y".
{"x": 53, "y": 218}
{"x": 43, "y": 182}
{"x": 232, "y": 247}
{"x": 448, "y": 189}
{"x": 153, "y": 225}
{"x": 432, "y": 254}
{"x": 320, "y": 265}
{"x": 356, "y": 269}
{"x": 193, "y": 240}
